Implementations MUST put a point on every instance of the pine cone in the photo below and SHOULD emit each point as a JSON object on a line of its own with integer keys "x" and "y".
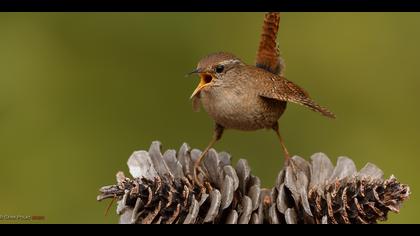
{"x": 317, "y": 192}
{"x": 163, "y": 191}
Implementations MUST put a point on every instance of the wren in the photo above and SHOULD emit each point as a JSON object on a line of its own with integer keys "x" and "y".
{"x": 245, "y": 97}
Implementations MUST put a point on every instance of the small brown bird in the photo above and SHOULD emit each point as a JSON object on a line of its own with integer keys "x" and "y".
{"x": 245, "y": 97}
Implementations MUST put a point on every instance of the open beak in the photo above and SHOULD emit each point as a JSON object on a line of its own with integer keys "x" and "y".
{"x": 205, "y": 80}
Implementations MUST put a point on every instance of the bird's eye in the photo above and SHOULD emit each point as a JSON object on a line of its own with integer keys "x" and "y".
{"x": 219, "y": 68}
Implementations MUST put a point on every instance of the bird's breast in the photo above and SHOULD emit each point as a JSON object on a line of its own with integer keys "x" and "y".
{"x": 236, "y": 108}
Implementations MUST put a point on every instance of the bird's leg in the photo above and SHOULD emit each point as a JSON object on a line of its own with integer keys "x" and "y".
{"x": 217, "y": 135}
{"x": 286, "y": 153}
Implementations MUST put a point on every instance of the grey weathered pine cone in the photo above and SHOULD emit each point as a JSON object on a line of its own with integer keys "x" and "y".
{"x": 162, "y": 190}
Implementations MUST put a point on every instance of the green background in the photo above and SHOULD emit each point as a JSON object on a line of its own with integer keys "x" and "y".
{"x": 79, "y": 92}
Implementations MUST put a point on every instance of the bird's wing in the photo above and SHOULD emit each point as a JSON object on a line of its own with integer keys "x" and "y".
{"x": 278, "y": 88}
{"x": 268, "y": 55}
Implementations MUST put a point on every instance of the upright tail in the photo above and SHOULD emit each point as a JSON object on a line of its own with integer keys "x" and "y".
{"x": 268, "y": 55}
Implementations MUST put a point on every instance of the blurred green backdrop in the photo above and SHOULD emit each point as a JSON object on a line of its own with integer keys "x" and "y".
{"x": 79, "y": 92}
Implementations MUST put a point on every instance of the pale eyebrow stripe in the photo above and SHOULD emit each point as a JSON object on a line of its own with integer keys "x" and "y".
{"x": 230, "y": 61}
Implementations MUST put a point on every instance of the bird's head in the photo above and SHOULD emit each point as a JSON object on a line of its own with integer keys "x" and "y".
{"x": 211, "y": 69}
